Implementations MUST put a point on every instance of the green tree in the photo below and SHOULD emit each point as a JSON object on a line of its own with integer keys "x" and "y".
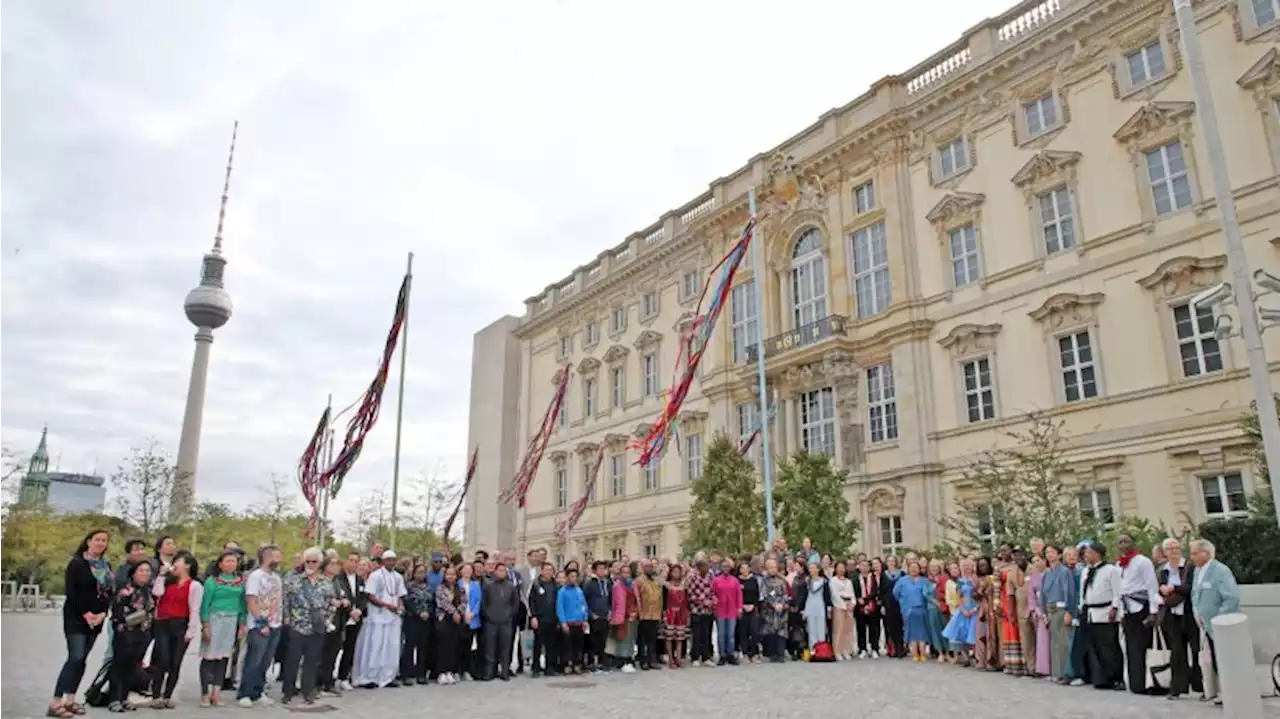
{"x": 1250, "y": 424}
{"x": 728, "y": 510}
{"x": 145, "y": 483}
{"x": 810, "y": 502}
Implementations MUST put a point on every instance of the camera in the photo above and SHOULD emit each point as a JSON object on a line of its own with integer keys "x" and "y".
{"x": 1266, "y": 281}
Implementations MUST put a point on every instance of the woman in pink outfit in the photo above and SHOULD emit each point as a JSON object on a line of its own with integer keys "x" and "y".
{"x": 728, "y": 591}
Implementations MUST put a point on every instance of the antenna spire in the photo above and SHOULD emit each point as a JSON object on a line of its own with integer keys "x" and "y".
{"x": 226, "y": 189}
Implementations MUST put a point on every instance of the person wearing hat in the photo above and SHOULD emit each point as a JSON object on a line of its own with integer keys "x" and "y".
{"x": 378, "y": 645}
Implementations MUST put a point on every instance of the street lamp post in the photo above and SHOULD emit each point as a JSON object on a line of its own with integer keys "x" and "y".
{"x": 1250, "y": 331}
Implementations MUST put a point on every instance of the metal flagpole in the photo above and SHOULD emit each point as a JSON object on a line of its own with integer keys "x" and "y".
{"x": 757, "y": 276}
{"x": 404, "y": 353}
{"x": 1250, "y": 332}
{"x": 328, "y": 462}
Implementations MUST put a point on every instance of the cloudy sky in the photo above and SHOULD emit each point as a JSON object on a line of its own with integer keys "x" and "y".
{"x": 503, "y": 142}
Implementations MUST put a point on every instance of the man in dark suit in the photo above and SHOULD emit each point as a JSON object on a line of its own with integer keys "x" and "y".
{"x": 1177, "y": 621}
{"x": 351, "y": 617}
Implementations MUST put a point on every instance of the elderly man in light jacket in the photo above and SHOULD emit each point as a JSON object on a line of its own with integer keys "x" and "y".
{"x": 1213, "y": 590}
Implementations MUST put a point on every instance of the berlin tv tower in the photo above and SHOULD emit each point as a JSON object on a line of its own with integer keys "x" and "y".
{"x": 208, "y": 307}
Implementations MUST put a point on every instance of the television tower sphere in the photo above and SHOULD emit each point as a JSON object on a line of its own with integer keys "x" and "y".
{"x": 208, "y": 306}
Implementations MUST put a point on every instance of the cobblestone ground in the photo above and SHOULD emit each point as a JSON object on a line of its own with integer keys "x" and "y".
{"x": 32, "y": 652}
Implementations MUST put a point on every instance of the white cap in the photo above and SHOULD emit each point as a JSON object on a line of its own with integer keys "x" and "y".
{"x": 389, "y": 554}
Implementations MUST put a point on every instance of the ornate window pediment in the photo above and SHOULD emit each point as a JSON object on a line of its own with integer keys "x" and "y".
{"x": 1068, "y": 309}
{"x": 886, "y": 500}
{"x": 1047, "y": 168}
{"x": 587, "y": 448}
{"x": 642, "y": 429}
{"x": 648, "y": 338}
{"x": 558, "y": 377}
{"x": 1155, "y": 122}
{"x": 557, "y": 456}
{"x": 588, "y": 366}
{"x": 955, "y": 209}
{"x": 1184, "y": 275}
{"x": 692, "y": 421}
{"x": 1263, "y": 74}
{"x": 682, "y": 323}
{"x": 967, "y": 339}
{"x": 613, "y": 439}
{"x": 616, "y": 353}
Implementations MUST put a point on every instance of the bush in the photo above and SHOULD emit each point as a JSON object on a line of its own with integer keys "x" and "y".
{"x": 1250, "y": 546}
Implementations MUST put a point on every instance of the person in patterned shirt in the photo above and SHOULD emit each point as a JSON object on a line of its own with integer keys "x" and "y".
{"x": 702, "y": 608}
{"x": 309, "y": 603}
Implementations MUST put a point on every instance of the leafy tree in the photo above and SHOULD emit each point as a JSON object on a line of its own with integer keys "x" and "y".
{"x": 430, "y": 499}
{"x": 370, "y": 519}
{"x": 1253, "y": 429}
{"x": 145, "y": 483}
{"x": 728, "y": 509}
{"x": 278, "y": 503}
{"x": 810, "y": 502}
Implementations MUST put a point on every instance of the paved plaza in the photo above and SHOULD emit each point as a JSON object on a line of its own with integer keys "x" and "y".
{"x": 32, "y": 652}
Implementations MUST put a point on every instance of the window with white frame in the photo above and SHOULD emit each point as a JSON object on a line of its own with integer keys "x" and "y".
{"x": 1095, "y": 505}
{"x": 990, "y": 527}
{"x": 1198, "y": 348}
{"x": 588, "y": 465}
{"x": 693, "y": 457}
{"x": 1077, "y": 364}
{"x": 618, "y": 386}
{"x": 591, "y": 333}
{"x": 953, "y": 158}
{"x": 864, "y": 197}
{"x": 651, "y": 551}
{"x": 649, "y": 304}
{"x": 808, "y": 280}
{"x": 744, "y": 321}
{"x": 1265, "y": 12}
{"x": 651, "y": 474}
{"x": 747, "y": 414}
{"x": 588, "y": 558}
{"x": 1146, "y": 64}
{"x": 566, "y": 346}
{"x": 618, "y": 322}
{"x": 966, "y": 266}
{"x": 891, "y": 534}
{"x": 818, "y": 421}
{"x": 882, "y": 404}
{"x": 615, "y": 554}
{"x": 979, "y": 390}
{"x": 649, "y": 370}
{"x": 1168, "y": 179}
{"x": 1224, "y": 496}
{"x": 562, "y": 414}
{"x": 1041, "y": 115}
{"x": 690, "y": 285}
{"x": 589, "y": 396}
{"x": 1057, "y": 220}
{"x": 871, "y": 270}
{"x": 561, "y": 485}
{"x": 618, "y": 475}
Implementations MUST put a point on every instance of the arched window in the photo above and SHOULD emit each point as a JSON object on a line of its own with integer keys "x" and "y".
{"x": 808, "y": 279}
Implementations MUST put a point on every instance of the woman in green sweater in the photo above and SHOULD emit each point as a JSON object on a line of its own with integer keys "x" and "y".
{"x": 222, "y": 616}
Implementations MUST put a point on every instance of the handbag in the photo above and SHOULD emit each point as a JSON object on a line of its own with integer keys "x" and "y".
{"x": 136, "y": 618}
{"x": 1159, "y": 664}
{"x": 1207, "y": 675}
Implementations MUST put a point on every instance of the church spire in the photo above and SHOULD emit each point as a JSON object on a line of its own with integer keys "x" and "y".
{"x": 40, "y": 458}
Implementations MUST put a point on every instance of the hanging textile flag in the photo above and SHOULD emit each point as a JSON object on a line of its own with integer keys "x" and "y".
{"x": 309, "y": 466}
{"x": 693, "y": 342}
{"x": 755, "y": 433}
{"x": 462, "y": 497}
{"x": 367, "y": 413}
{"x": 528, "y": 470}
{"x": 566, "y": 525}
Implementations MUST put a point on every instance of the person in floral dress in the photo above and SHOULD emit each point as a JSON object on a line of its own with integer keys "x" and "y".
{"x": 775, "y": 611}
{"x": 675, "y": 617}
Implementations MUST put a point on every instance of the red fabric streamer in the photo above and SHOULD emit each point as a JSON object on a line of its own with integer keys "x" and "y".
{"x": 566, "y": 525}
{"x": 519, "y": 487}
{"x": 462, "y": 496}
{"x": 309, "y": 466}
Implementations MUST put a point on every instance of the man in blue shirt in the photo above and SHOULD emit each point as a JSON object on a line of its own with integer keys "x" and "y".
{"x": 436, "y": 575}
{"x": 1058, "y": 600}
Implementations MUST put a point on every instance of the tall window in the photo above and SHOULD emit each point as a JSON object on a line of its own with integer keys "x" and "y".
{"x": 589, "y": 464}
{"x": 891, "y": 534}
{"x": 1265, "y": 12}
{"x": 864, "y": 197}
{"x": 747, "y": 414}
{"x": 1041, "y": 115}
{"x": 649, "y": 369}
{"x": 1167, "y": 175}
{"x": 818, "y": 421}
{"x": 651, "y": 474}
{"x": 882, "y": 404}
{"x": 561, "y": 485}
{"x": 1198, "y": 348}
{"x": 1079, "y": 375}
{"x": 618, "y": 386}
{"x": 689, "y": 285}
{"x": 562, "y": 415}
{"x": 808, "y": 279}
{"x": 566, "y": 346}
{"x": 649, "y": 304}
{"x": 589, "y": 397}
{"x": 1224, "y": 496}
{"x": 591, "y": 333}
{"x": 618, "y": 475}
{"x": 1057, "y": 221}
{"x": 965, "y": 266}
{"x": 651, "y": 551}
{"x": 619, "y": 319}
{"x": 1095, "y": 504}
{"x": 990, "y": 527}
{"x": 1146, "y": 64}
{"x": 693, "y": 457}
{"x": 744, "y": 321}
{"x": 871, "y": 270}
{"x": 953, "y": 158}
{"x": 979, "y": 392}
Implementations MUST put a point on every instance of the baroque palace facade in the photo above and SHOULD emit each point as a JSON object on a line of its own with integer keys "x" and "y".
{"x": 1014, "y": 225}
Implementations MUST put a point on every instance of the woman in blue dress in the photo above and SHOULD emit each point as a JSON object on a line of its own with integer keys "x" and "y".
{"x": 934, "y": 607}
{"x": 912, "y": 594}
{"x": 962, "y": 630}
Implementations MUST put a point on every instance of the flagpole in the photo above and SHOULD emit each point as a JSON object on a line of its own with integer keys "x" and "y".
{"x": 757, "y": 259}
{"x": 404, "y": 354}
{"x": 328, "y": 462}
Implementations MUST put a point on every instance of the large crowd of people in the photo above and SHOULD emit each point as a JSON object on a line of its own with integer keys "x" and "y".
{"x": 377, "y": 620}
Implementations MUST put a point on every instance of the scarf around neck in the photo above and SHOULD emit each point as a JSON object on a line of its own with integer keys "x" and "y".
{"x": 1124, "y": 560}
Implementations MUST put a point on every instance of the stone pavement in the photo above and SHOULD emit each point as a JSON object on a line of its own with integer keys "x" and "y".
{"x": 32, "y": 651}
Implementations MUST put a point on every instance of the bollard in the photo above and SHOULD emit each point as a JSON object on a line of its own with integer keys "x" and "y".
{"x": 1237, "y": 677}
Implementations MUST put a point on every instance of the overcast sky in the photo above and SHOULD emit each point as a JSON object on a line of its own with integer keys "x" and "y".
{"x": 503, "y": 142}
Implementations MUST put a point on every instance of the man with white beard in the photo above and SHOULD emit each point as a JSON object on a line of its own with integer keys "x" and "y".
{"x": 378, "y": 646}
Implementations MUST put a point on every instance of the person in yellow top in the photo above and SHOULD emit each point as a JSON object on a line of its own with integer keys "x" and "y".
{"x": 649, "y": 595}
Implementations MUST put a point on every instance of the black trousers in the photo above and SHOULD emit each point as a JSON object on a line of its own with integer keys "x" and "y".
{"x": 413, "y": 654}
{"x": 647, "y": 642}
{"x": 893, "y": 632}
{"x": 747, "y": 639}
{"x": 127, "y": 650}
{"x": 1182, "y": 636}
{"x": 1137, "y": 640}
{"x": 596, "y": 641}
{"x": 328, "y": 658}
{"x": 348, "y": 651}
{"x": 1102, "y": 652}
{"x": 702, "y": 625}
{"x": 468, "y": 660}
{"x": 573, "y": 642}
{"x": 304, "y": 654}
{"x": 446, "y": 641}
{"x": 498, "y": 638}
{"x": 166, "y": 656}
{"x": 546, "y": 644}
{"x": 868, "y": 627}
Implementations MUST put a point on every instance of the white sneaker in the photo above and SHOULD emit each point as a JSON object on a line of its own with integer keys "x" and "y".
{"x": 862, "y": 654}
{"x": 1077, "y": 682}
{"x": 266, "y": 701}
{"x": 345, "y": 685}
{"x": 696, "y": 664}
{"x": 875, "y": 654}
{"x": 245, "y": 702}
{"x": 628, "y": 669}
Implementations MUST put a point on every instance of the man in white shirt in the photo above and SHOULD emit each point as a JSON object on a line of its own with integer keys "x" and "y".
{"x": 1100, "y": 605}
{"x": 377, "y": 657}
{"x": 1141, "y": 593}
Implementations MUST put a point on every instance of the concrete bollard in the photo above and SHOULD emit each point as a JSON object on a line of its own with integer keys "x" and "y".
{"x": 1237, "y": 677}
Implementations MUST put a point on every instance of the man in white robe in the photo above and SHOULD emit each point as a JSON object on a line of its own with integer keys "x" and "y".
{"x": 378, "y": 645}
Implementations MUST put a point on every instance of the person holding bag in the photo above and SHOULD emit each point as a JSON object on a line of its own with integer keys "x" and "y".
{"x": 1177, "y": 623}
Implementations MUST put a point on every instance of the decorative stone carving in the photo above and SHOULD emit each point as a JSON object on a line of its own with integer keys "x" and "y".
{"x": 885, "y": 500}
{"x": 1047, "y": 166}
{"x": 648, "y": 338}
{"x": 642, "y": 429}
{"x": 1183, "y": 275}
{"x": 1087, "y": 56}
{"x": 1153, "y": 118}
{"x": 557, "y": 456}
{"x": 588, "y": 366}
{"x": 558, "y": 377}
{"x": 955, "y": 205}
{"x": 682, "y": 323}
{"x": 615, "y": 440}
{"x": 587, "y": 448}
{"x": 1263, "y": 76}
{"x": 969, "y": 339}
{"x": 692, "y": 421}
{"x": 989, "y": 107}
{"x": 1068, "y": 309}
{"x": 616, "y": 354}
